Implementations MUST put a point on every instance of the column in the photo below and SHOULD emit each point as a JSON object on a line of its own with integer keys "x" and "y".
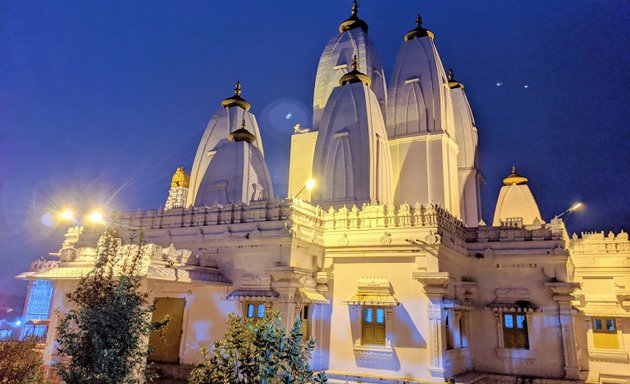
{"x": 562, "y": 295}
{"x": 435, "y": 286}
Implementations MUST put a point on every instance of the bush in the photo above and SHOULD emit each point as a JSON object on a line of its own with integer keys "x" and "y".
{"x": 20, "y": 362}
{"x": 258, "y": 353}
{"x": 103, "y": 338}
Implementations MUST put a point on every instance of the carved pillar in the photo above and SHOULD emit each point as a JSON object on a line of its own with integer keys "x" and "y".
{"x": 435, "y": 285}
{"x": 562, "y": 295}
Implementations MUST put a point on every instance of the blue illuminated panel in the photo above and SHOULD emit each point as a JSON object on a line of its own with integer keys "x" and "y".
{"x": 38, "y": 307}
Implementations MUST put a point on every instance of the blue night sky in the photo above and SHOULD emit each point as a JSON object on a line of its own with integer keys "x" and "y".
{"x": 101, "y": 101}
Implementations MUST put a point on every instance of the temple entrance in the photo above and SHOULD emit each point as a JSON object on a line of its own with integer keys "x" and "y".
{"x": 165, "y": 342}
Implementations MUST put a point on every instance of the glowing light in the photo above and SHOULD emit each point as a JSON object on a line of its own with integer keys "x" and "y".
{"x": 310, "y": 184}
{"x": 575, "y": 206}
{"x": 18, "y": 323}
{"x": 525, "y": 86}
{"x": 288, "y": 116}
{"x": 67, "y": 215}
{"x": 96, "y": 217}
{"x": 499, "y": 83}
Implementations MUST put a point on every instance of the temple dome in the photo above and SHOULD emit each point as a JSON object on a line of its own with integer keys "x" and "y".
{"x": 516, "y": 203}
{"x": 237, "y": 174}
{"x": 419, "y": 101}
{"x": 336, "y": 59}
{"x": 467, "y": 157}
{"x": 224, "y": 122}
{"x": 352, "y": 162}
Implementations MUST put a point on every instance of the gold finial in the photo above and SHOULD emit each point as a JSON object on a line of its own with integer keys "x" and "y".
{"x": 452, "y": 83}
{"x": 514, "y": 178}
{"x": 353, "y": 21}
{"x": 355, "y": 75}
{"x": 180, "y": 178}
{"x": 418, "y": 31}
{"x": 236, "y": 100}
{"x": 242, "y": 134}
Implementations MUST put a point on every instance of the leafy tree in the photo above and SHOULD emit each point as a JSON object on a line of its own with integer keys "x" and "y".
{"x": 20, "y": 362}
{"x": 252, "y": 353}
{"x": 103, "y": 339}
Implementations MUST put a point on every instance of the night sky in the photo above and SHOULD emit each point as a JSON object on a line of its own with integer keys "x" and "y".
{"x": 100, "y": 101}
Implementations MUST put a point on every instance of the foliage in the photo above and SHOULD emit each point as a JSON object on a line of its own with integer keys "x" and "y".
{"x": 20, "y": 362}
{"x": 258, "y": 353}
{"x": 103, "y": 339}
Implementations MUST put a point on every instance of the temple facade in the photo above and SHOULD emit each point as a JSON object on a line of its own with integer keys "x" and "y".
{"x": 385, "y": 257}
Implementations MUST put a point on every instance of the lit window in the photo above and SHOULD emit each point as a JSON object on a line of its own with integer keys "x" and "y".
{"x": 515, "y": 331}
{"x": 605, "y": 333}
{"x": 373, "y": 330}
{"x": 255, "y": 310}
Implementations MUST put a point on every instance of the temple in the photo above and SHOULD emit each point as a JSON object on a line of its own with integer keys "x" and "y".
{"x": 386, "y": 260}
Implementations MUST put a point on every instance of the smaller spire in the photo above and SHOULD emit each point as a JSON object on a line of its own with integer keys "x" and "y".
{"x": 180, "y": 178}
{"x": 355, "y": 76}
{"x": 242, "y": 134}
{"x": 236, "y": 100}
{"x": 353, "y": 21}
{"x": 418, "y": 32}
{"x": 452, "y": 83}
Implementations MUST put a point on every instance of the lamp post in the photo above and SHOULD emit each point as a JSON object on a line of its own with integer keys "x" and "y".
{"x": 571, "y": 209}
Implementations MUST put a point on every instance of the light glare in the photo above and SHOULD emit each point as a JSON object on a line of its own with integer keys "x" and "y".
{"x": 96, "y": 217}
{"x": 67, "y": 215}
{"x": 310, "y": 184}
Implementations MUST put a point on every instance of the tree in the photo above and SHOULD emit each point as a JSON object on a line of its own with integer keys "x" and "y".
{"x": 258, "y": 353}
{"x": 20, "y": 362}
{"x": 103, "y": 338}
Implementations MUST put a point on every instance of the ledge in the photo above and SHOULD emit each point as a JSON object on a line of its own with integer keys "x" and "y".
{"x": 608, "y": 355}
{"x": 525, "y": 354}
{"x": 373, "y": 351}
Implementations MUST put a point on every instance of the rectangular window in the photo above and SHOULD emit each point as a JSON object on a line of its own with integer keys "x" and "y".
{"x": 306, "y": 332}
{"x": 449, "y": 331}
{"x": 255, "y": 310}
{"x": 605, "y": 333}
{"x": 373, "y": 326}
{"x": 515, "y": 331}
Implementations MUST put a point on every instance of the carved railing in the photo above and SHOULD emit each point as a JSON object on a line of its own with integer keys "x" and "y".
{"x": 597, "y": 242}
{"x": 300, "y": 212}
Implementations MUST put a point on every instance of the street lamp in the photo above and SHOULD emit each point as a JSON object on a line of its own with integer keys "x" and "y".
{"x": 96, "y": 217}
{"x": 310, "y": 184}
{"x": 571, "y": 209}
{"x": 67, "y": 215}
